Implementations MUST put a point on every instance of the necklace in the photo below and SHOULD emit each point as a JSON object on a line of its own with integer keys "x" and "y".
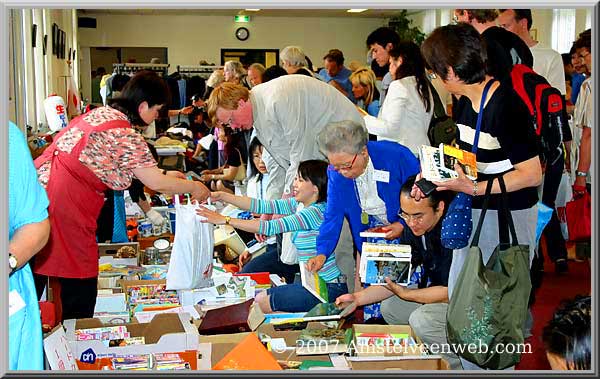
{"x": 364, "y": 217}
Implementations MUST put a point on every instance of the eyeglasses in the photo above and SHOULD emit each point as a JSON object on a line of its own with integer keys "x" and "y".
{"x": 581, "y": 56}
{"x": 346, "y": 166}
{"x": 417, "y": 218}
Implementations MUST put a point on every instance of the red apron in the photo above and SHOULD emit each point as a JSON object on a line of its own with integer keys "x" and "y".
{"x": 76, "y": 198}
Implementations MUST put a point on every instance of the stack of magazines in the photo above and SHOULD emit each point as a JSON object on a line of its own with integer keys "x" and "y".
{"x": 132, "y": 362}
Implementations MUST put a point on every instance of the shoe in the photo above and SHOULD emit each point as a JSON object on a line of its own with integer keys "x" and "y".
{"x": 561, "y": 266}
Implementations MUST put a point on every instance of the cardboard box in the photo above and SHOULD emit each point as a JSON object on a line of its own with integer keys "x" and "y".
{"x": 111, "y": 249}
{"x": 166, "y": 333}
{"x": 385, "y": 351}
{"x": 431, "y": 362}
{"x": 113, "y": 303}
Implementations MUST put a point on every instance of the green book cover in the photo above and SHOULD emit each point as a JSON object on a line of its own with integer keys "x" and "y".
{"x": 314, "y": 283}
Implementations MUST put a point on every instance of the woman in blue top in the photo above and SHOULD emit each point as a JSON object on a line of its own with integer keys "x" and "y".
{"x": 303, "y": 217}
{"x": 364, "y": 90}
{"x": 364, "y": 186}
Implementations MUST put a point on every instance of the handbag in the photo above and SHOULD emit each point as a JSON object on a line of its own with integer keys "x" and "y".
{"x": 442, "y": 128}
{"x": 190, "y": 265}
{"x": 488, "y": 307}
{"x": 289, "y": 253}
{"x": 458, "y": 222}
{"x": 579, "y": 218}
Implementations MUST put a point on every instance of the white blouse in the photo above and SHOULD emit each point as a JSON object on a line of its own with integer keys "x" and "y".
{"x": 402, "y": 117}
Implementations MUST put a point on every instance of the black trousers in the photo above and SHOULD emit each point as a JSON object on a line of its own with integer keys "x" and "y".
{"x": 77, "y": 296}
{"x": 552, "y": 232}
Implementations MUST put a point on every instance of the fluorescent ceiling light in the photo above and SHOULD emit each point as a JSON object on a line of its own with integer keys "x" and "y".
{"x": 252, "y": 10}
{"x": 356, "y": 10}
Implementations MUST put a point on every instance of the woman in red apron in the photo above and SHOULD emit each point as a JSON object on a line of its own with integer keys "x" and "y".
{"x": 97, "y": 151}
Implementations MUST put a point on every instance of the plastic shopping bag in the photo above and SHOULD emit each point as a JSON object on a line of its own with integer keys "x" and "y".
{"x": 289, "y": 253}
{"x": 191, "y": 258}
{"x": 544, "y": 215}
{"x": 564, "y": 195}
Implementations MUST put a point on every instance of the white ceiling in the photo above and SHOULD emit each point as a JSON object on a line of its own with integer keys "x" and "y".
{"x": 371, "y": 13}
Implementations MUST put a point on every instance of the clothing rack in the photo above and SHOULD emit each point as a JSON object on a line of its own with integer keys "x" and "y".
{"x": 162, "y": 68}
{"x": 202, "y": 70}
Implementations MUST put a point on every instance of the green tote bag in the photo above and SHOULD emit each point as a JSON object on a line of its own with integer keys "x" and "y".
{"x": 489, "y": 303}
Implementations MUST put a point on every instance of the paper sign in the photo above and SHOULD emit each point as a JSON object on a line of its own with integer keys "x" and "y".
{"x": 15, "y": 302}
{"x": 58, "y": 351}
{"x": 381, "y": 176}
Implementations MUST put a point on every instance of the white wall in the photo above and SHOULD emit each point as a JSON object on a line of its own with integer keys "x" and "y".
{"x": 190, "y": 39}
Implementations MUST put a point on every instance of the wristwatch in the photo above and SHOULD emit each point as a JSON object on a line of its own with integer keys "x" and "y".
{"x": 581, "y": 173}
{"x": 227, "y": 219}
{"x": 13, "y": 262}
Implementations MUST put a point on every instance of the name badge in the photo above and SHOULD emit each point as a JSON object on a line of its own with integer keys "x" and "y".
{"x": 15, "y": 303}
{"x": 381, "y": 176}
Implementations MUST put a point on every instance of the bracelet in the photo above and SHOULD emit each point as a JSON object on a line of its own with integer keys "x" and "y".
{"x": 581, "y": 173}
{"x": 474, "y": 187}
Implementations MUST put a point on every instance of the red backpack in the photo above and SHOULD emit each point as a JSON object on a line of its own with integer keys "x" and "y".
{"x": 546, "y": 107}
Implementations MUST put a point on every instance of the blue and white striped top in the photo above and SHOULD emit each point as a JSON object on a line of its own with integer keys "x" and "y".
{"x": 304, "y": 225}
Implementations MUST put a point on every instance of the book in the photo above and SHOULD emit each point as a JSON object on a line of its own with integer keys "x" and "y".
{"x": 323, "y": 341}
{"x": 374, "y": 233}
{"x": 373, "y": 252}
{"x": 379, "y": 268}
{"x": 328, "y": 311}
{"x": 249, "y": 354}
{"x": 437, "y": 163}
{"x": 313, "y": 283}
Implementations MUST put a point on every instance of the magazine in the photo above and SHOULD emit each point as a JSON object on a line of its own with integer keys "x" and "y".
{"x": 437, "y": 163}
{"x": 379, "y": 268}
{"x": 313, "y": 283}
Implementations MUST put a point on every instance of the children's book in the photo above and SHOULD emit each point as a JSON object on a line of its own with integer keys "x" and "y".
{"x": 437, "y": 163}
{"x": 313, "y": 283}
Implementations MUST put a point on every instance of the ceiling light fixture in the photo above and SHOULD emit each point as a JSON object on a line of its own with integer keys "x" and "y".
{"x": 356, "y": 10}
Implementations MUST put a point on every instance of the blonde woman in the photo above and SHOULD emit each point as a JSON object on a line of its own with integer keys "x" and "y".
{"x": 364, "y": 90}
{"x": 236, "y": 73}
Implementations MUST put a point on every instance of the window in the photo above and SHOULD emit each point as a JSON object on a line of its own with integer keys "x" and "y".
{"x": 429, "y": 21}
{"x": 563, "y": 29}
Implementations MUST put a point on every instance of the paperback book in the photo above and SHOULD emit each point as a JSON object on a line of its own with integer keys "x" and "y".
{"x": 379, "y": 260}
{"x": 328, "y": 311}
{"x": 313, "y": 283}
{"x": 437, "y": 163}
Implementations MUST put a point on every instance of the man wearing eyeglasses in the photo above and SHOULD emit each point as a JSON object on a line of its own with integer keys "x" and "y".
{"x": 423, "y": 304}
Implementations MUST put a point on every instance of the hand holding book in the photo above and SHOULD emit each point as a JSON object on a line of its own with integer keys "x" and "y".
{"x": 460, "y": 184}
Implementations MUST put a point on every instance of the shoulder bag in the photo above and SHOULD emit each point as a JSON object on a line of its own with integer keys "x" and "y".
{"x": 457, "y": 225}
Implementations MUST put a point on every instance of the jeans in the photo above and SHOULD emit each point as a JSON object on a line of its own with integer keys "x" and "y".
{"x": 269, "y": 262}
{"x": 295, "y": 298}
{"x": 552, "y": 232}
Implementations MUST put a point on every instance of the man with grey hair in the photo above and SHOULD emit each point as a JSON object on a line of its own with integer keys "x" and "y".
{"x": 293, "y": 60}
{"x": 255, "y": 72}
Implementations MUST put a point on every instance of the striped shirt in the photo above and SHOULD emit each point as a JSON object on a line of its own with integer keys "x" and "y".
{"x": 506, "y": 138}
{"x": 303, "y": 223}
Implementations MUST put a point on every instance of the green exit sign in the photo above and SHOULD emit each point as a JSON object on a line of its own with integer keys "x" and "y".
{"x": 242, "y": 18}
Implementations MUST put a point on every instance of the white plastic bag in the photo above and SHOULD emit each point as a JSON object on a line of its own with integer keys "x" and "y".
{"x": 191, "y": 258}
{"x": 289, "y": 253}
{"x": 564, "y": 194}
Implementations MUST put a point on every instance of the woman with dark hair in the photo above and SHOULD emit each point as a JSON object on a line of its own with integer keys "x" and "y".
{"x": 507, "y": 144}
{"x": 568, "y": 335}
{"x": 408, "y": 105}
{"x": 97, "y": 151}
{"x": 310, "y": 190}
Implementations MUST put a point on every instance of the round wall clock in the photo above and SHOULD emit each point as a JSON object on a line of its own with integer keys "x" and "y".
{"x": 242, "y": 33}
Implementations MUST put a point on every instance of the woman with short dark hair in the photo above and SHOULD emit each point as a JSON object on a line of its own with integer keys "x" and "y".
{"x": 507, "y": 144}
{"x": 98, "y": 150}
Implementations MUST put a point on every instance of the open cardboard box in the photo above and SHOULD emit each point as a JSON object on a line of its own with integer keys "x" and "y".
{"x": 166, "y": 333}
{"x": 385, "y": 351}
{"x": 108, "y": 251}
{"x": 430, "y": 362}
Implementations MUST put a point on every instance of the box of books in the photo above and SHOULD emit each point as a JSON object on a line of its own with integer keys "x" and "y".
{"x": 94, "y": 343}
{"x": 386, "y": 340}
{"x": 410, "y": 363}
